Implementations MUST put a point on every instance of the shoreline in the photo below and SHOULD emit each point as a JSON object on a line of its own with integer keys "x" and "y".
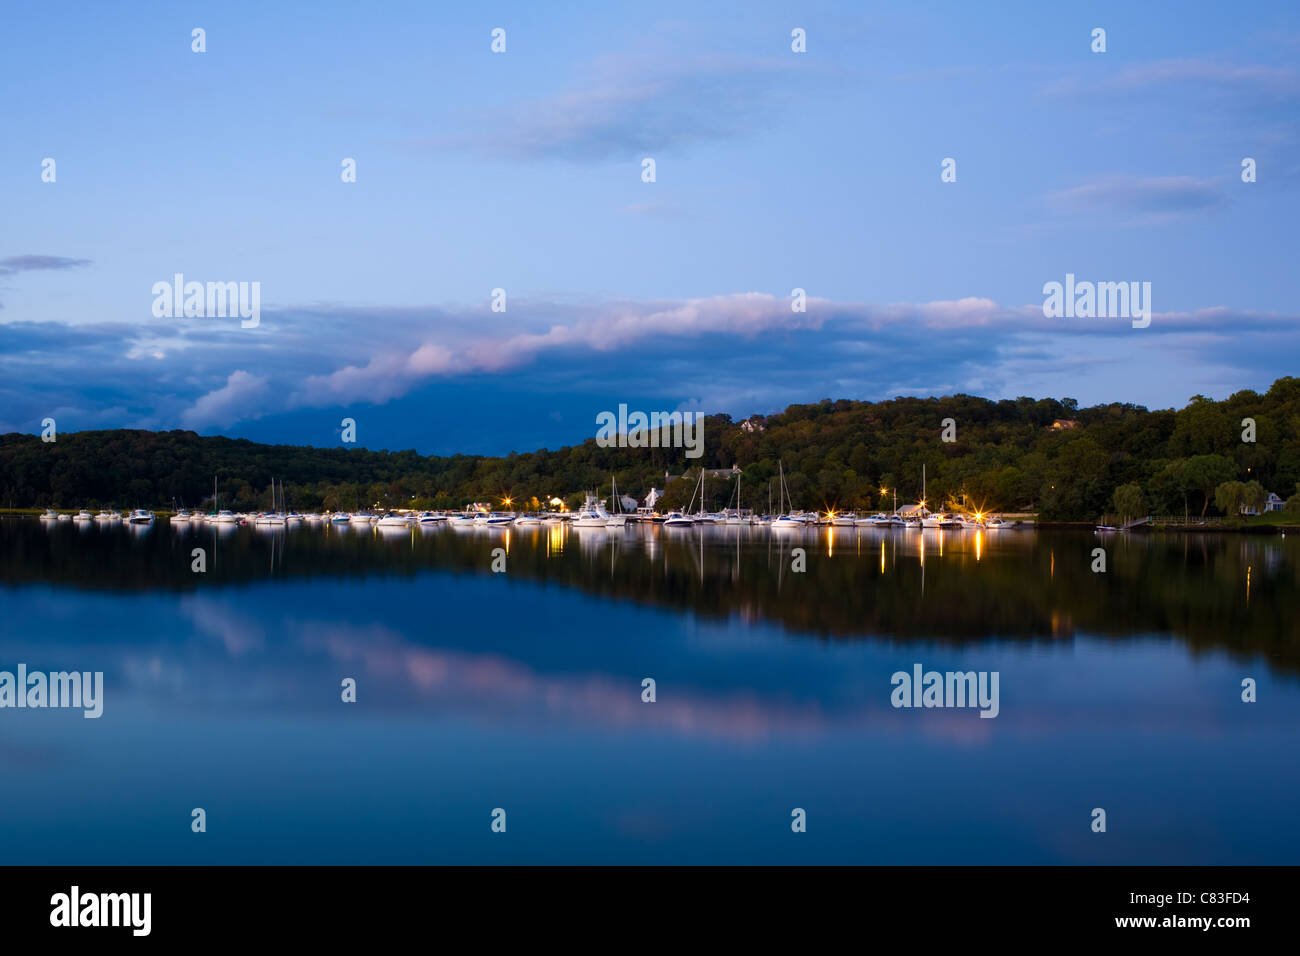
{"x": 1023, "y": 525}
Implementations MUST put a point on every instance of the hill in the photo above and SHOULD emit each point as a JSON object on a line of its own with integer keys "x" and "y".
{"x": 1045, "y": 455}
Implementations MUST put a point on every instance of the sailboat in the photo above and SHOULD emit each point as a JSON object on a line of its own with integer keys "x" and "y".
{"x": 616, "y": 518}
{"x": 784, "y": 521}
{"x": 272, "y": 517}
{"x": 930, "y": 519}
{"x": 701, "y": 516}
{"x": 735, "y": 517}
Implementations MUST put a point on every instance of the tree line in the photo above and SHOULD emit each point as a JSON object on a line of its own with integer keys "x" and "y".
{"x": 1046, "y": 455}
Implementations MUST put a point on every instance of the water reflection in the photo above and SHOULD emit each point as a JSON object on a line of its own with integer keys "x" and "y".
{"x": 523, "y": 689}
{"x": 1228, "y": 591}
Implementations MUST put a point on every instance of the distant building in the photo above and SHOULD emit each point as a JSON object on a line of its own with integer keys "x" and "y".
{"x": 708, "y": 473}
{"x": 627, "y": 503}
{"x": 1273, "y": 503}
{"x": 655, "y": 495}
{"x": 752, "y": 424}
{"x": 1063, "y": 423}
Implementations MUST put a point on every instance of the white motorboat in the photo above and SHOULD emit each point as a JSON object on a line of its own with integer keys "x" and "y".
{"x": 109, "y": 516}
{"x": 675, "y": 519}
{"x": 141, "y": 516}
{"x": 224, "y": 517}
{"x": 846, "y": 520}
{"x": 429, "y": 518}
{"x": 84, "y": 515}
{"x": 181, "y": 517}
{"x": 592, "y": 514}
{"x": 50, "y": 515}
{"x": 362, "y": 517}
{"x": 994, "y": 524}
{"x": 523, "y": 520}
{"x": 391, "y": 520}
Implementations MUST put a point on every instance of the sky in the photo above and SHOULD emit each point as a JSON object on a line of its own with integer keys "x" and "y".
{"x": 523, "y": 171}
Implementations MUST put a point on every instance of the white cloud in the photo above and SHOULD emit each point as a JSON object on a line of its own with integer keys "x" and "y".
{"x": 244, "y": 396}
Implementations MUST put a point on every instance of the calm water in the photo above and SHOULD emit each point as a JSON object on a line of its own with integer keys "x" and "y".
{"x": 522, "y": 690}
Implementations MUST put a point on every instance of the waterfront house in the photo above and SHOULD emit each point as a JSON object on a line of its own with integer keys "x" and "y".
{"x": 1272, "y": 503}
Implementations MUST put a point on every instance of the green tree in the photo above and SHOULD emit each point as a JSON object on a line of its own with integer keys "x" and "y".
{"x": 1129, "y": 500}
{"x": 1293, "y": 503}
{"x": 1255, "y": 496}
{"x": 1204, "y": 473}
{"x": 1229, "y": 497}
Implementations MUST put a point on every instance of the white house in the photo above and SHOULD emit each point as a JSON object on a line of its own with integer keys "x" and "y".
{"x": 1274, "y": 503}
{"x": 655, "y": 495}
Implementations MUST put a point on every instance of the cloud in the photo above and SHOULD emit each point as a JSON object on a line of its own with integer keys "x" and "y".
{"x": 1205, "y": 102}
{"x": 1265, "y": 85}
{"x": 737, "y": 353}
{"x": 1151, "y": 198}
{"x": 29, "y": 263}
{"x": 632, "y": 106}
{"x": 243, "y": 396}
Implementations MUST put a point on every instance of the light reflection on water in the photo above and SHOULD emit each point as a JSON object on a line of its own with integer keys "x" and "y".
{"x": 523, "y": 690}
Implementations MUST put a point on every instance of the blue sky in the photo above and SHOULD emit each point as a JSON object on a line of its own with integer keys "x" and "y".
{"x": 522, "y": 171}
